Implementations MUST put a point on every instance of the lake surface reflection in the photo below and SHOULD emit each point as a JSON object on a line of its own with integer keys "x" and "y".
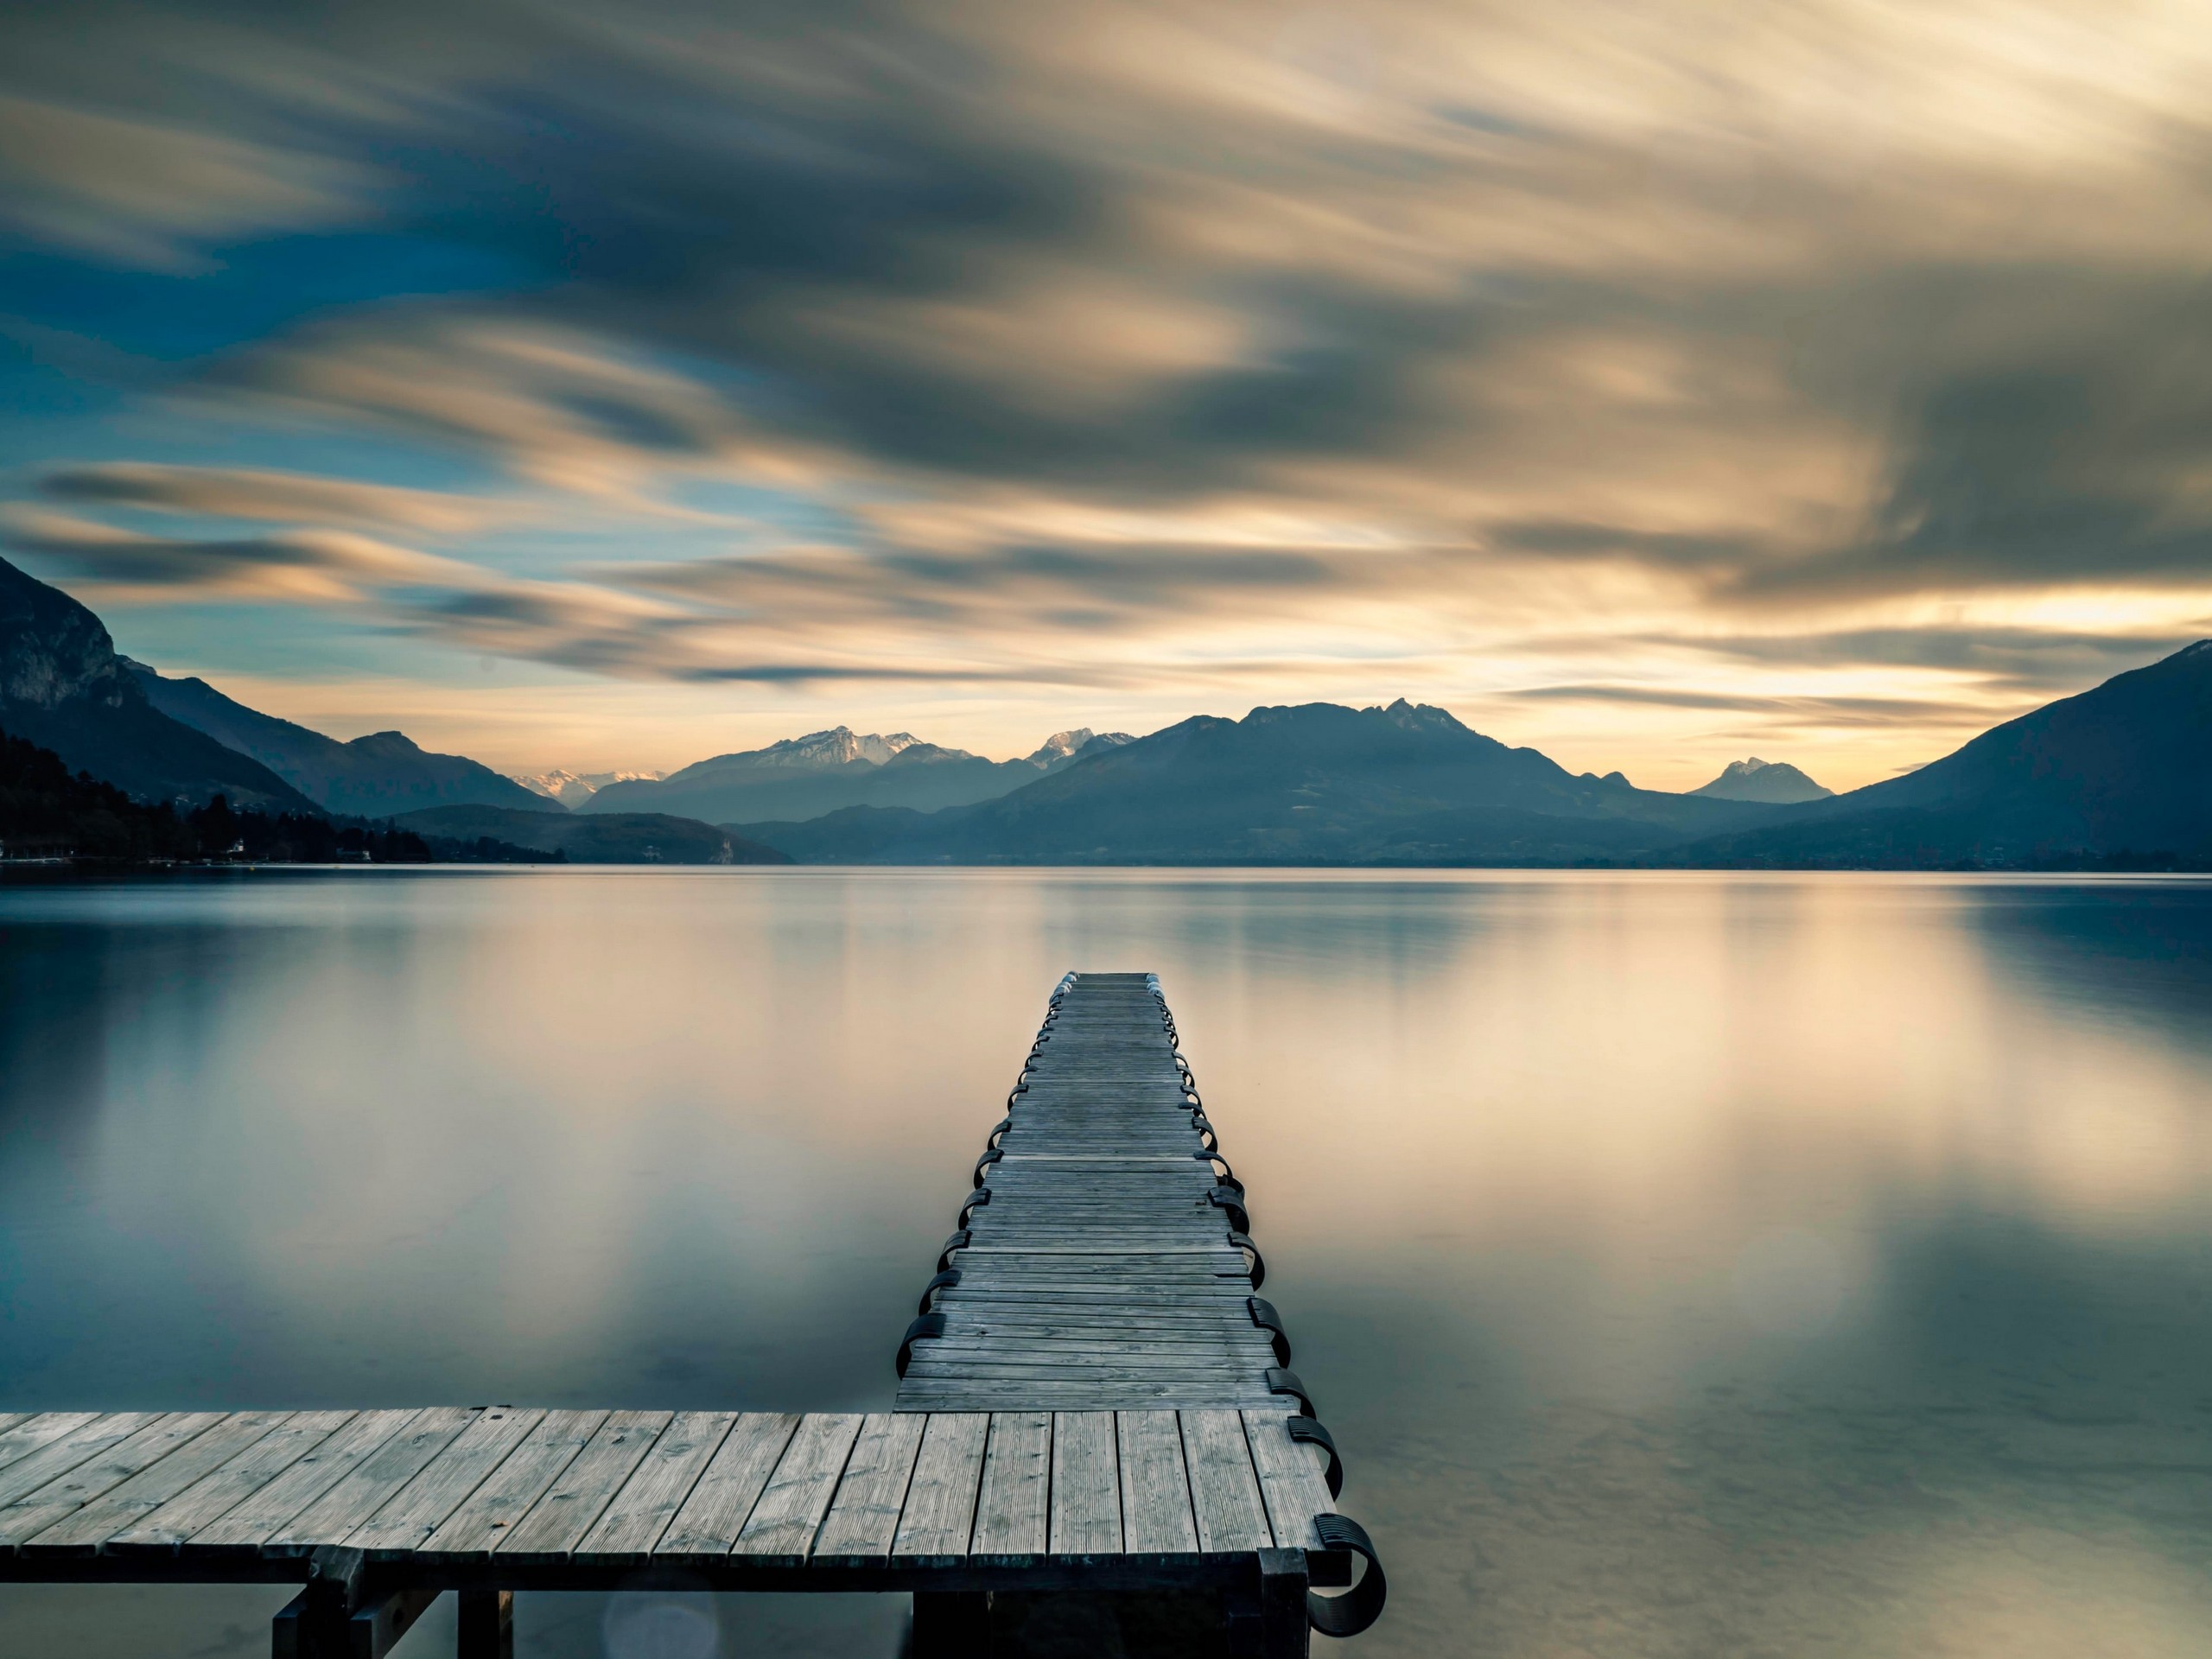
{"x": 1687, "y": 1264}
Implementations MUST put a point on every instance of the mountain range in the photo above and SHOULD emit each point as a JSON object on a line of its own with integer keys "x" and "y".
{"x": 372, "y": 777}
{"x": 825, "y": 771}
{"x": 2116, "y": 776}
{"x": 1315, "y": 784}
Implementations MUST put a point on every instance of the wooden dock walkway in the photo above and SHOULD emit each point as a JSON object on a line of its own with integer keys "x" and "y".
{"x": 1093, "y": 1398}
{"x": 1103, "y": 1259}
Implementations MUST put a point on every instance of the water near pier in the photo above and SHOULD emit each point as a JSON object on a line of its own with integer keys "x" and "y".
{"x": 1687, "y": 1264}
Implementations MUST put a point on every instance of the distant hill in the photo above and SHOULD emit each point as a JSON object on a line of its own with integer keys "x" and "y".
{"x": 606, "y": 838}
{"x": 805, "y": 777}
{"x": 1314, "y": 784}
{"x": 573, "y": 789}
{"x": 63, "y": 688}
{"x": 46, "y": 811}
{"x": 376, "y": 776}
{"x": 2122, "y": 773}
{"x": 1762, "y": 780}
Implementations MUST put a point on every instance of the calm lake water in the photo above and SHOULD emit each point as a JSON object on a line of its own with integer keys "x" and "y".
{"x": 1687, "y": 1264}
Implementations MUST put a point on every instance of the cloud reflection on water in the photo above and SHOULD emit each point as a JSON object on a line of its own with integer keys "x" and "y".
{"x": 1689, "y": 1264}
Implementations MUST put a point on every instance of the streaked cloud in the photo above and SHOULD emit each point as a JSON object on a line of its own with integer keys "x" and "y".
{"x": 313, "y": 567}
{"x": 135, "y": 191}
{"x": 1840, "y": 367}
{"x": 285, "y": 498}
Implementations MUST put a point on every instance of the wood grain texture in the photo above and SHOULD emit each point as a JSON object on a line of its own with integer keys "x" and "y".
{"x": 123, "y": 1505}
{"x": 364, "y": 1489}
{"x": 1225, "y": 1500}
{"x": 1086, "y": 1484}
{"x": 939, "y": 1516}
{"x": 405, "y": 1521}
{"x": 582, "y": 1492}
{"x": 36, "y": 1510}
{"x": 1012, "y": 1512}
{"x": 1156, "y": 1489}
{"x": 798, "y": 1496}
{"x": 263, "y": 1512}
{"x": 1294, "y": 1479}
{"x": 644, "y": 1506}
{"x": 27, "y": 1433}
{"x": 221, "y": 1489}
{"x": 863, "y": 1518}
{"x": 720, "y": 1503}
{"x": 76, "y": 1443}
{"x": 507, "y": 1493}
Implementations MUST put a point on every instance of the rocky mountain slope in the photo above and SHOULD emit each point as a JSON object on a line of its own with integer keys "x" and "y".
{"x": 63, "y": 688}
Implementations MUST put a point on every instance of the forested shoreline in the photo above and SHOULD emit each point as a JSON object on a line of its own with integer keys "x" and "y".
{"x": 47, "y": 813}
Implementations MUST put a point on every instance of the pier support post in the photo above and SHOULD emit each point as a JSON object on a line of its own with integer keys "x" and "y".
{"x": 1283, "y": 1630}
{"x": 338, "y": 1616}
{"x": 487, "y": 1625}
{"x": 950, "y": 1624}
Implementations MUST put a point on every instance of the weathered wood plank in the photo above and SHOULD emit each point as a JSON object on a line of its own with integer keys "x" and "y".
{"x": 1294, "y": 1479}
{"x": 78, "y": 1443}
{"x": 1155, "y": 1488}
{"x": 639, "y": 1514}
{"x": 863, "y": 1518}
{"x": 123, "y": 1505}
{"x": 404, "y": 1520}
{"x": 1211, "y": 1350}
{"x": 1024, "y": 1367}
{"x": 267, "y": 1508}
{"x": 507, "y": 1494}
{"x": 792, "y": 1505}
{"x": 728, "y": 1493}
{"x": 1012, "y": 1516}
{"x": 37, "y": 1510}
{"x": 1086, "y": 1484}
{"x": 1147, "y": 1398}
{"x": 940, "y": 1512}
{"x": 222, "y": 1489}
{"x": 557, "y": 1522}
{"x": 365, "y": 1488}
{"x": 1225, "y": 1490}
{"x": 30, "y": 1434}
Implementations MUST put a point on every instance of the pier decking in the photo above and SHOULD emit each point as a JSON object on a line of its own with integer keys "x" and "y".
{"x": 1092, "y": 1398}
{"x": 1101, "y": 1259}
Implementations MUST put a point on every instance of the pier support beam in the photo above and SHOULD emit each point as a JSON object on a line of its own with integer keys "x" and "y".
{"x": 487, "y": 1625}
{"x": 340, "y": 1615}
{"x": 1282, "y": 1627}
{"x": 949, "y": 1625}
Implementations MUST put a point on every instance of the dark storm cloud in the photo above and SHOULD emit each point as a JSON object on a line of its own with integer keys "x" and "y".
{"x": 2074, "y": 452}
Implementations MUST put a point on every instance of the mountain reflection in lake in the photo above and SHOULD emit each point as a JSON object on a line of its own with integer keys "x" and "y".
{"x": 1687, "y": 1264}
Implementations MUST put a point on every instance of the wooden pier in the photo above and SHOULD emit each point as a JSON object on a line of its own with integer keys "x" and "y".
{"x": 1093, "y": 1398}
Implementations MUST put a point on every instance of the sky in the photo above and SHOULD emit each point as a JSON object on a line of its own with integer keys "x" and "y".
{"x": 602, "y": 386}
